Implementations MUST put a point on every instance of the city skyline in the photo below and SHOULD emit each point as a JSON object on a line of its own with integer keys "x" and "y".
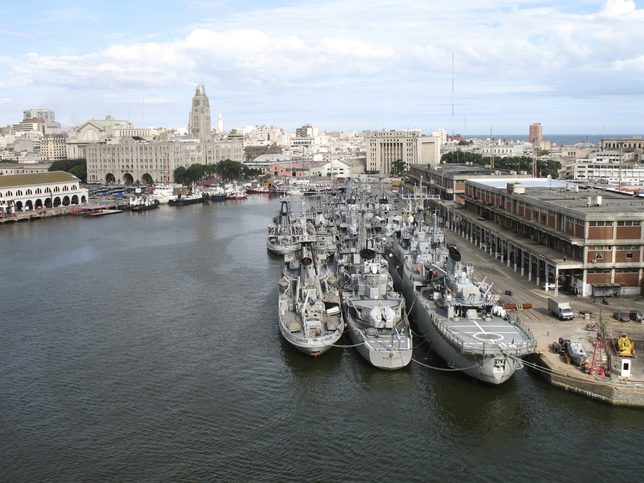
{"x": 350, "y": 65}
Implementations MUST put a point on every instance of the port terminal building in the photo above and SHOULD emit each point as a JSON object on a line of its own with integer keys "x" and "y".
{"x": 586, "y": 242}
{"x": 26, "y": 192}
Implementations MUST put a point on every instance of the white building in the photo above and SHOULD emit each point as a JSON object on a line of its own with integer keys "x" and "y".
{"x": 602, "y": 172}
{"x": 335, "y": 169}
{"x": 386, "y": 147}
{"x": 101, "y": 131}
{"x": 53, "y": 147}
{"x": 25, "y": 192}
{"x": 441, "y": 134}
{"x": 128, "y": 161}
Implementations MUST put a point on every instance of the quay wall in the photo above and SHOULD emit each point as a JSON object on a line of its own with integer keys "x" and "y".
{"x": 35, "y": 214}
{"x": 616, "y": 393}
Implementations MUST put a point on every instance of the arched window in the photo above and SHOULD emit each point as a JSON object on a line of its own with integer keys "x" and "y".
{"x": 29, "y": 192}
{"x": 38, "y": 191}
{"x": 19, "y": 193}
{"x": 56, "y": 189}
{"x": 65, "y": 188}
{"x": 47, "y": 190}
{"x": 74, "y": 187}
{"x": 9, "y": 193}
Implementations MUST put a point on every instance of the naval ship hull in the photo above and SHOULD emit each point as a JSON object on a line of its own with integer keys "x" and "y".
{"x": 380, "y": 354}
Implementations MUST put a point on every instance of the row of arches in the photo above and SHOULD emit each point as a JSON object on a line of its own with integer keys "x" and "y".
{"x": 49, "y": 202}
{"x": 128, "y": 179}
{"x": 39, "y": 191}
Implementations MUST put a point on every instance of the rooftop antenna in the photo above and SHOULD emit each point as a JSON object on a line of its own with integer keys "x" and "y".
{"x": 491, "y": 147}
{"x": 452, "y": 95}
{"x": 143, "y": 104}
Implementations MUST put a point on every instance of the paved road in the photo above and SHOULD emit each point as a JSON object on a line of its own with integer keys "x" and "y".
{"x": 546, "y": 327}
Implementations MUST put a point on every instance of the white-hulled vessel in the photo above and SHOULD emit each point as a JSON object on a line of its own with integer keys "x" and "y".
{"x": 163, "y": 193}
{"x": 375, "y": 313}
{"x": 309, "y": 312}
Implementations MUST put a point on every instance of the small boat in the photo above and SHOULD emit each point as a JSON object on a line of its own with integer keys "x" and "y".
{"x": 188, "y": 199}
{"x": 143, "y": 203}
{"x": 163, "y": 193}
{"x": 259, "y": 190}
{"x": 216, "y": 193}
{"x": 576, "y": 352}
{"x": 95, "y": 212}
{"x": 236, "y": 194}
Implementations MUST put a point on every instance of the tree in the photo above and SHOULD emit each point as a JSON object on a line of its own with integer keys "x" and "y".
{"x": 548, "y": 167}
{"x": 179, "y": 175}
{"x": 462, "y": 157}
{"x": 193, "y": 174}
{"x": 229, "y": 170}
{"x": 398, "y": 167}
{"x": 77, "y": 167}
{"x": 248, "y": 172}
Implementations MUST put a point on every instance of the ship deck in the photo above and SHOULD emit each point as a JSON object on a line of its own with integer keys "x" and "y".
{"x": 475, "y": 334}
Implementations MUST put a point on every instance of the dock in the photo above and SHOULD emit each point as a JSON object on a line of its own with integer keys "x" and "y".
{"x": 531, "y": 304}
{"x": 35, "y": 215}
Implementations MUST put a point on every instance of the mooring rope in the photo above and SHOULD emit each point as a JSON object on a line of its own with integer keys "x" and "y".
{"x": 352, "y": 345}
{"x": 547, "y": 370}
{"x": 446, "y": 369}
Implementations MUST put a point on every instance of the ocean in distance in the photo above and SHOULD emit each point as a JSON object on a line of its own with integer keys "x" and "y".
{"x": 559, "y": 139}
{"x": 145, "y": 346}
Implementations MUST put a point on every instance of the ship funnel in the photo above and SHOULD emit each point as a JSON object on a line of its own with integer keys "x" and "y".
{"x": 454, "y": 254}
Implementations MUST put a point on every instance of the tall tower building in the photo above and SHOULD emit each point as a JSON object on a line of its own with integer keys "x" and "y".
{"x": 220, "y": 124}
{"x": 536, "y": 134}
{"x": 199, "y": 121}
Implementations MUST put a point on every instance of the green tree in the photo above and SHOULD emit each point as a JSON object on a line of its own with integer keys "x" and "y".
{"x": 77, "y": 167}
{"x": 229, "y": 170}
{"x": 209, "y": 169}
{"x": 462, "y": 157}
{"x": 548, "y": 167}
{"x": 248, "y": 172}
{"x": 193, "y": 174}
{"x": 179, "y": 175}
{"x": 398, "y": 167}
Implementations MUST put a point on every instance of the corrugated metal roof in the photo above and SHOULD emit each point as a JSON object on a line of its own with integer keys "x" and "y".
{"x": 15, "y": 180}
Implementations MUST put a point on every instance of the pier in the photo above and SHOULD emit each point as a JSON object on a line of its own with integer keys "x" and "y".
{"x": 613, "y": 389}
{"x": 33, "y": 215}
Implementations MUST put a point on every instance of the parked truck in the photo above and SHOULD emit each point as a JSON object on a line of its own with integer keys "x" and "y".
{"x": 561, "y": 309}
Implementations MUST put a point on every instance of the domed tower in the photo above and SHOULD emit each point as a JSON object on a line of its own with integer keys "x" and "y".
{"x": 199, "y": 121}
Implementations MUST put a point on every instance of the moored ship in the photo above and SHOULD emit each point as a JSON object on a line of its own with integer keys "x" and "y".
{"x": 309, "y": 315}
{"x": 375, "y": 313}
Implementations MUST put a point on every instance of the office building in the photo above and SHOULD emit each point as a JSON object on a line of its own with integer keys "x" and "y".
{"x": 535, "y": 136}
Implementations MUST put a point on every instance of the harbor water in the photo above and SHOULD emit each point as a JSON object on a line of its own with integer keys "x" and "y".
{"x": 145, "y": 346}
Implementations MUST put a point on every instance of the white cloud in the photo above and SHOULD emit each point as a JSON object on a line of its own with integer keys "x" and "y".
{"x": 336, "y": 53}
{"x": 616, "y": 8}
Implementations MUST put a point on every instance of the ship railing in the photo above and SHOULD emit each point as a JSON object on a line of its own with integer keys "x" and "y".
{"x": 483, "y": 348}
{"x": 531, "y": 344}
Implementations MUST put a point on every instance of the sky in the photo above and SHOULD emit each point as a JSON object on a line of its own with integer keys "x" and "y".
{"x": 467, "y": 66}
